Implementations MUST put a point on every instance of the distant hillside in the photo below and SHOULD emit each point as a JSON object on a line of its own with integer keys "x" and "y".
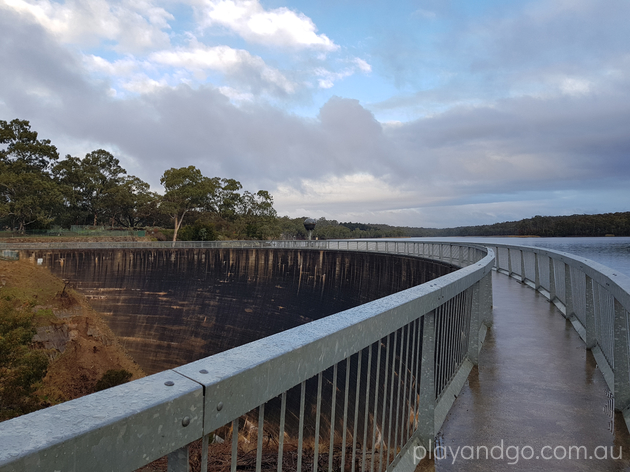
{"x": 617, "y": 224}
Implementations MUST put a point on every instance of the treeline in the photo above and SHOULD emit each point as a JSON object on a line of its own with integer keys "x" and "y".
{"x": 38, "y": 190}
{"x": 293, "y": 228}
{"x": 617, "y": 224}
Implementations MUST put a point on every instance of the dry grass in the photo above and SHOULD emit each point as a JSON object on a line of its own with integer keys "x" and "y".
{"x": 92, "y": 348}
{"x": 220, "y": 457}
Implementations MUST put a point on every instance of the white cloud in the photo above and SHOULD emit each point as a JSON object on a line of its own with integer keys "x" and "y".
{"x": 133, "y": 25}
{"x": 120, "y": 68}
{"x": 575, "y": 86}
{"x": 143, "y": 84}
{"x": 362, "y": 65}
{"x": 236, "y": 95}
{"x": 347, "y": 191}
{"x": 277, "y": 27}
{"x": 233, "y": 62}
{"x": 328, "y": 78}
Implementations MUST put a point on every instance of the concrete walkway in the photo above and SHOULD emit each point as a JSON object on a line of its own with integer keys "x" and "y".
{"x": 538, "y": 392}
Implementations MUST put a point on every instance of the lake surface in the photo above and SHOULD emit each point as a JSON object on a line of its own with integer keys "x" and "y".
{"x": 611, "y": 252}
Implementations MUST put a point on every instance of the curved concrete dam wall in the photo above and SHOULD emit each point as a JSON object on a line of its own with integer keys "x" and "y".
{"x": 173, "y": 306}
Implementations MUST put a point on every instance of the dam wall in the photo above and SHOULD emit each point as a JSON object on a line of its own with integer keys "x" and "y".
{"x": 173, "y": 306}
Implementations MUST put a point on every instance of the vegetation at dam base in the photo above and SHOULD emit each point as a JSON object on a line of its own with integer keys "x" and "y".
{"x": 41, "y": 193}
{"x": 53, "y": 346}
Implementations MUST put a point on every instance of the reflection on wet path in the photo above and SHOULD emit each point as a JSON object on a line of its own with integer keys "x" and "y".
{"x": 537, "y": 398}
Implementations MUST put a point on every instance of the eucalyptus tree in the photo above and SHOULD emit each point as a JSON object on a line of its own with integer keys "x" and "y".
{"x": 131, "y": 202}
{"x": 186, "y": 189}
{"x": 89, "y": 183}
{"x": 28, "y": 194}
{"x": 20, "y": 144}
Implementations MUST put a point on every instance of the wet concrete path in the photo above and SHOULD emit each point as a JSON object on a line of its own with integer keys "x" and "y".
{"x": 537, "y": 394}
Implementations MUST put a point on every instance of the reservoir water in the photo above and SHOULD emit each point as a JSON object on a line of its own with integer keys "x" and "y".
{"x": 611, "y": 252}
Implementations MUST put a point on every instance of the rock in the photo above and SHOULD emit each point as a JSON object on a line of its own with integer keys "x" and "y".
{"x": 53, "y": 337}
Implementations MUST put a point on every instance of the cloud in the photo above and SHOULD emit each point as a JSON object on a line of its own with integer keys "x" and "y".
{"x": 119, "y": 68}
{"x": 426, "y": 14}
{"x": 127, "y": 44}
{"x": 277, "y": 27}
{"x": 507, "y": 158}
{"x": 235, "y": 63}
{"x": 133, "y": 25}
{"x": 472, "y": 57}
{"x": 327, "y": 78}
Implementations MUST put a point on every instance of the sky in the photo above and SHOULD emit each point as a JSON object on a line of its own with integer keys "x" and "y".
{"x": 433, "y": 113}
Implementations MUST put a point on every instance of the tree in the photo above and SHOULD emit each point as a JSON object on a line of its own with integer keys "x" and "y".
{"x": 256, "y": 209}
{"x": 129, "y": 202}
{"x": 186, "y": 189}
{"x": 258, "y": 204}
{"x": 69, "y": 175}
{"x": 21, "y": 144}
{"x": 227, "y": 199}
{"x": 88, "y": 181}
{"x": 28, "y": 195}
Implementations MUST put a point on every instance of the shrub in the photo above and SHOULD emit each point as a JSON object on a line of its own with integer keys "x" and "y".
{"x": 21, "y": 368}
{"x": 111, "y": 378}
{"x": 200, "y": 231}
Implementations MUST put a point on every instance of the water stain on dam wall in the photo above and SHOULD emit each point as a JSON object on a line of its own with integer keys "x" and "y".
{"x": 169, "y": 307}
{"x": 173, "y": 306}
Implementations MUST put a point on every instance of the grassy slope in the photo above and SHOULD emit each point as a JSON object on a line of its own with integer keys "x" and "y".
{"x": 90, "y": 347}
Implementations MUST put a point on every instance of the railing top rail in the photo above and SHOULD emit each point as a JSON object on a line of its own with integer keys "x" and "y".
{"x": 615, "y": 281}
{"x": 272, "y": 364}
{"x": 318, "y": 244}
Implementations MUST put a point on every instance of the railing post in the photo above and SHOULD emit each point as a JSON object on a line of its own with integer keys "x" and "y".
{"x": 523, "y": 276}
{"x": 552, "y": 281}
{"x": 591, "y": 335}
{"x": 496, "y": 258}
{"x": 486, "y": 299}
{"x": 536, "y": 271}
{"x": 475, "y": 323}
{"x": 426, "y": 410}
{"x": 622, "y": 377}
{"x": 509, "y": 262}
{"x": 178, "y": 460}
{"x": 568, "y": 292}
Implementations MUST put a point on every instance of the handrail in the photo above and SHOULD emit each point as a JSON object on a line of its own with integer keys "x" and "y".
{"x": 595, "y": 298}
{"x": 436, "y": 250}
{"x": 422, "y": 342}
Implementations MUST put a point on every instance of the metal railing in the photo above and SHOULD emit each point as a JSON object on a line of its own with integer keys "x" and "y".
{"x": 595, "y": 298}
{"x": 461, "y": 255}
{"x": 358, "y": 390}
